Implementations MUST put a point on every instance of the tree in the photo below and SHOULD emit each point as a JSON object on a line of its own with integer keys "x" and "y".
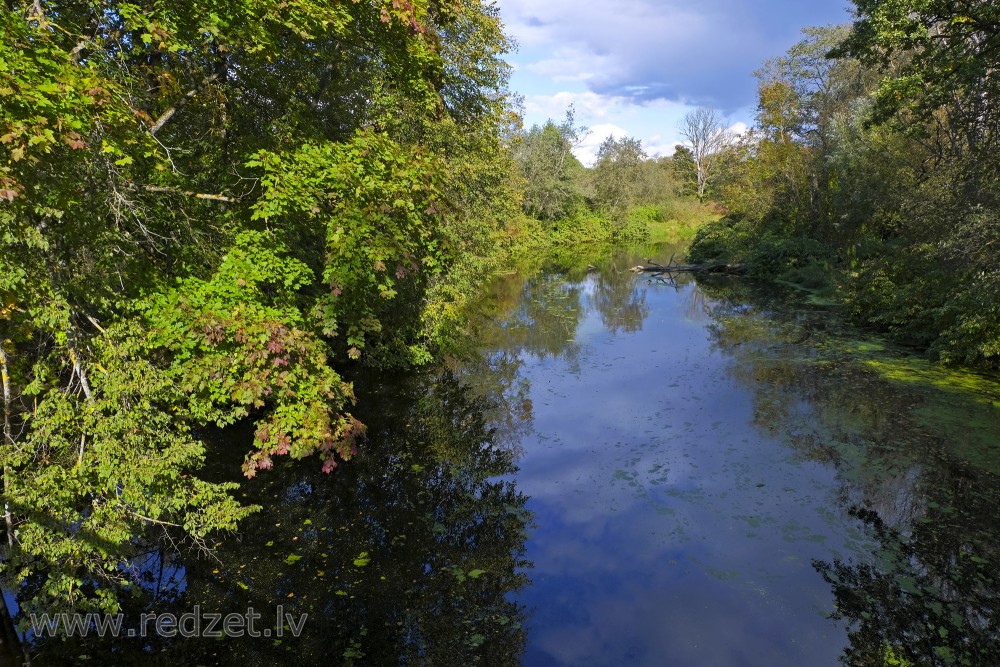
{"x": 618, "y": 175}
{"x": 685, "y": 169}
{"x": 203, "y": 210}
{"x": 939, "y": 61}
{"x": 551, "y": 172}
{"x": 706, "y": 134}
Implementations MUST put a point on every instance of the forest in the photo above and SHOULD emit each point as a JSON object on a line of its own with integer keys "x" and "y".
{"x": 212, "y": 214}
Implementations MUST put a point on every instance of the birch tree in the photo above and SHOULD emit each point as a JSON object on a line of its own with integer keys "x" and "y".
{"x": 705, "y": 132}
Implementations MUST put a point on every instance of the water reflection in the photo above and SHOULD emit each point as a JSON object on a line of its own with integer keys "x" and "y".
{"x": 927, "y": 594}
{"x": 723, "y": 474}
{"x": 717, "y": 472}
{"x": 406, "y": 556}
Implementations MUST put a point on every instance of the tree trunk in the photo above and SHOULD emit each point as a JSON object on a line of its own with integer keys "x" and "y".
{"x": 12, "y": 651}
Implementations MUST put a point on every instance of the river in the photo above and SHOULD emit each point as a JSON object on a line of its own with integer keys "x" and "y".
{"x": 625, "y": 470}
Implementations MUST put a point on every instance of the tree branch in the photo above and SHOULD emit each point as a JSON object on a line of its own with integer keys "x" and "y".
{"x": 187, "y": 193}
{"x": 8, "y": 440}
{"x": 183, "y": 102}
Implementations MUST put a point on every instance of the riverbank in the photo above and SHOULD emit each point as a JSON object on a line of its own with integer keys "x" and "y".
{"x": 675, "y": 222}
{"x": 898, "y": 291}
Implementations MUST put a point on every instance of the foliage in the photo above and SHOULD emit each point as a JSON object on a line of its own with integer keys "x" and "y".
{"x": 940, "y": 64}
{"x": 876, "y": 141}
{"x": 727, "y": 239}
{"x": 380, "y": 205}
{"x": 235, "y": 344}
{"x": 551, "y": 172}
{"x": 94, "y": 475}
{"x": 204, "y": 210}
{"x": 685, "y": 170}
{"x": 792, "y": 259}
{"x": 618, "y": 175}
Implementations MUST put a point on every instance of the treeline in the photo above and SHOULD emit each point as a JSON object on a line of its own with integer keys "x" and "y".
{"x": 873, "y": 172}
{"x": 626, "y": 196}
{"x": 208, "y": 211}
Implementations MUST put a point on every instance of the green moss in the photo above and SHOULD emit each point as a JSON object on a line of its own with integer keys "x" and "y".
{"x": 915, "y": 371}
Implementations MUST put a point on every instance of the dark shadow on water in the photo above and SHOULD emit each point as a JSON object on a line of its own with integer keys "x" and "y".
{"x": 408, "y": 555}
{"x": 916, "y": 464}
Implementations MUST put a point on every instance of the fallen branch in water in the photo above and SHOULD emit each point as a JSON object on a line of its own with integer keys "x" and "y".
{"x": 723, "y": 268}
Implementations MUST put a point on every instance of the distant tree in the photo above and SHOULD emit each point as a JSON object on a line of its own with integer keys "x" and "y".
{"x": 706, "y": 133}
{"x": 551, "y": 172}
{"x": 685, "y": 170}
{"x": 811, "y": 89}
{"x": 618, "y": 174}
{"x": 660, "y": 183}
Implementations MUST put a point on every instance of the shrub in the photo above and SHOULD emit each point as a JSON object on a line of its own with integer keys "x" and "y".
{"x": 727, "y": 239}
{"x": 775, "y": 256}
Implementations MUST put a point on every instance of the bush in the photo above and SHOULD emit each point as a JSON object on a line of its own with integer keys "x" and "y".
{"x": 635, "y": 226}
{"x": 813, "y": 275}
{"x": 969, "y": 323}
{"x": 898, "y": 290}
{"x": 727, "y": 240}
{"x": 782, "y": 257}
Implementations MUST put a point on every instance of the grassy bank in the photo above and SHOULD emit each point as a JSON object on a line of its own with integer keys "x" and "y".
{"x": 902, "y": 292}
{"x": 676, "y": 221}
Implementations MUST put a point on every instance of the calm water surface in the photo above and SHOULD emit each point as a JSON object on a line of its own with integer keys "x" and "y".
{"x": 675, "y": 524}
{"x": 717, "y": 469}
{"x": 626, "y": 471}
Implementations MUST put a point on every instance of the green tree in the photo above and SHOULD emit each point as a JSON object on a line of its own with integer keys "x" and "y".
{"x": 685, "y": 169}
{"x": 203, "y": 210}
{"x": 939, "y": 61}
{"x": 552, "y": 174}
{"x": 618, "y": 175}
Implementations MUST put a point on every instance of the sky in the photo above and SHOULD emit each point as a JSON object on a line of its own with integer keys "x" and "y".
{"x": 636, "y": 67}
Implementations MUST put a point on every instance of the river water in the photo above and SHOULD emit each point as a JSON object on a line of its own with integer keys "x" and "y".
{"x": 627, "y": 470}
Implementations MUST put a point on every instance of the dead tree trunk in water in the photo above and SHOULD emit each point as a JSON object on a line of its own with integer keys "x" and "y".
{"x": 718, "y": 268}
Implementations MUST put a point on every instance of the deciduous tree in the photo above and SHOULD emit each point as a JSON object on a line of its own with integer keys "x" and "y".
{"x": 706, "y": 135}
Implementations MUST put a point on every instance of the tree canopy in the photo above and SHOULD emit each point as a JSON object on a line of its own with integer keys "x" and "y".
{"x": 206, "y": 210}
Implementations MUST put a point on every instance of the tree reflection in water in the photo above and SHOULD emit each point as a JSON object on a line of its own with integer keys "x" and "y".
{"x": 926, "y": 492}
{"x": 408, "y": 555}
{"x": 412, "y": 553}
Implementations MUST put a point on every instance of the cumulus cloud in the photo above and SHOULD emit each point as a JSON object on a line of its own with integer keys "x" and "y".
{"x": 586, "y": 151}
{"x": 644, "y": 50}
{"x": 607, "y": 115}
{"x": 587, "y": 104}
{"x": 739, "y": 129}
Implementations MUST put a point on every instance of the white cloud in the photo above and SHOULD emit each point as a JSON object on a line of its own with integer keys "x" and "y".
{"x": 654, "y": 123}
{"x": 701, "y": 53}
{"x": 587, "y": 104}
{"x": 572, "y": 64}
{"x": 586, "y": 151}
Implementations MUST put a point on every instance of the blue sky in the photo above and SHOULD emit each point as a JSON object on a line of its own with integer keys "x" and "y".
{"x": 635, "y": 67}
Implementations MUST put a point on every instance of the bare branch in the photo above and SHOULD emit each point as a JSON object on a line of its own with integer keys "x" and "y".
{"x": 186, "y": 193}
{"x": 183, "y": 102}
{"x": 707, "y": 135}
